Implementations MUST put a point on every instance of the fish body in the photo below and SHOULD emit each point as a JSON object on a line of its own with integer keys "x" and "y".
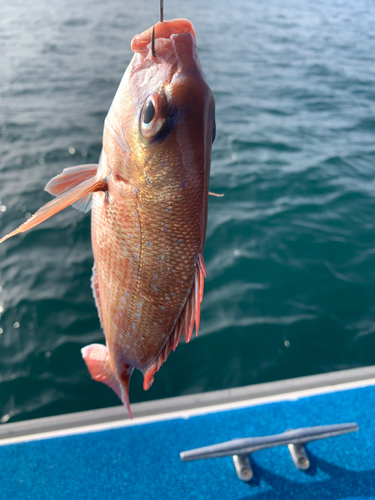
{"x": 148, "y": 197}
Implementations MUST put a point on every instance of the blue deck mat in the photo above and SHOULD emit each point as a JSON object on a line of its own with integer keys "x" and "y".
{"x": 142, "y": 462}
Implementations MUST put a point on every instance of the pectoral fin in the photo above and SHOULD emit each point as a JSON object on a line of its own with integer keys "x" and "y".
{"x": 69, "y": 178}
{"x": 73, "y": 176}
{"x": 69, "y": 189}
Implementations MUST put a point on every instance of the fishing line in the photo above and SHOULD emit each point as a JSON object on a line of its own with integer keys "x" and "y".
{"x": 161, "y": 11}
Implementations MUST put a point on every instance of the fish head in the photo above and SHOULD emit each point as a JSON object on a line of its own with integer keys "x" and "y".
{"x": 164, "y": 109}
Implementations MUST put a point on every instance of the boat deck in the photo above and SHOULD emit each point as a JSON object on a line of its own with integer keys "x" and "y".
{"x": 103, "y": 455}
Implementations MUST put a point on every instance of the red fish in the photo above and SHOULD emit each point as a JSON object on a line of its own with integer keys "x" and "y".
{"x": 148, "y": 197}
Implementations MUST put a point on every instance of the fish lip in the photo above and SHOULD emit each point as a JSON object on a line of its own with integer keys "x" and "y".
{"x": 162, "y": 30}
{"x": 179, "y": 51}
{"x": 185, "y": 53}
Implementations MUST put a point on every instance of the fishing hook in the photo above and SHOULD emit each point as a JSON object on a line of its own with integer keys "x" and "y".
{"x": 153, "y": 42}
{"x": 161, "y": 16}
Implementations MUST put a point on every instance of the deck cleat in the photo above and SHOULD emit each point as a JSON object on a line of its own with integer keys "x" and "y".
{"x": 295, "y": 439}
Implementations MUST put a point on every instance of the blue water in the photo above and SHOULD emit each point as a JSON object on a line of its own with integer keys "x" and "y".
{"x": 290, "y": 249}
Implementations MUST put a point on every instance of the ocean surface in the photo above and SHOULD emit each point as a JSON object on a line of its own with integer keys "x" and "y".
{"x": 290, "y": 249}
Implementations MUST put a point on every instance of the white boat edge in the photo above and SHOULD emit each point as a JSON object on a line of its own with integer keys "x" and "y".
{"x": 186, "y": 406}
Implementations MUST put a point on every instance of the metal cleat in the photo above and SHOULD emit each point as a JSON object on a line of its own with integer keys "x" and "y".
{"x": 295, "y": 439}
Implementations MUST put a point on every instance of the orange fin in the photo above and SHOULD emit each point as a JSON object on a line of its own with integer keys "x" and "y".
{"x": 184, "y": 325}
{"x": 96, "y": 357}
{"x": 70, "y": 177}
{"x": 216, "y": 194}
{"x": 64, "y": 200}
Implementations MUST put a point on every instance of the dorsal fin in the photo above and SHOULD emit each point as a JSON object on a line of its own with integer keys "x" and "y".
{"x": 184, "y": 325}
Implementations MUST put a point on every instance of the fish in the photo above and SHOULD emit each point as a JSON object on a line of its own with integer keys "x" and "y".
{"x": 148, "y": 197}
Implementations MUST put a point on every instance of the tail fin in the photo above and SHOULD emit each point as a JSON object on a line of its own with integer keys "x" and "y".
{"x": 96, "y": 357}
{"x": 70, "y": 189}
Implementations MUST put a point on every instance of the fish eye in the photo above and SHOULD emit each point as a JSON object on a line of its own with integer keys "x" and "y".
{"x": 148, "y": 112}
{"x": 153, "y": 115}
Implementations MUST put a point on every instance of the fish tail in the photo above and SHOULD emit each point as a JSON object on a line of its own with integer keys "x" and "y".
{"x": 184, "y": 325}
{"x": 96, "y": 357}
{"x": 74, "y": 185}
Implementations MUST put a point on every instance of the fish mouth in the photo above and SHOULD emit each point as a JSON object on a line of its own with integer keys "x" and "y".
{"x": 162, "y": 30}
{"x": 171, "y": 70}
{"x": 175, "y": 44}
